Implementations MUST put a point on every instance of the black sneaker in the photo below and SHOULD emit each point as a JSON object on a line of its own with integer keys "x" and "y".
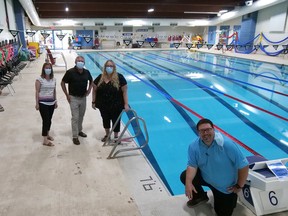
{"x": 82, "y": 134}
{"x": 198, "y": 201}
{"x": 76, "y": 141}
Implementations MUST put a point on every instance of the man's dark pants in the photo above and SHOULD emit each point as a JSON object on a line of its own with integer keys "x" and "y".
{"x": 224, "y": 204}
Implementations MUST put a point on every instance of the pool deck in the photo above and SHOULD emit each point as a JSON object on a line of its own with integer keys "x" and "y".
{"x": 68, "y": 180}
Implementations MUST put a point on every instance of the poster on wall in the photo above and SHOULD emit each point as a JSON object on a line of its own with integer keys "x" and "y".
{"x": 189, "y": 45}
{"x": 14, "y": 32}
{"x": 209, "y": 46}
{"x": 60, "y": 36}
{"x": 87, "y": 39}
{"x": 45, "y": 35}
{"x": 30, "y": 33}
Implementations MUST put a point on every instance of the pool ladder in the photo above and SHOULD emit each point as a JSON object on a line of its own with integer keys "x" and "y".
{"x": 135, "y": 121}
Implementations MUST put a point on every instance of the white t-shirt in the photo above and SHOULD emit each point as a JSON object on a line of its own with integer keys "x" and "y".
{"x": 46, "y": 93}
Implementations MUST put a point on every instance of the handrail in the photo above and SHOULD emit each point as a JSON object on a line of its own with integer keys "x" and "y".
{"x": 142, "y": 139}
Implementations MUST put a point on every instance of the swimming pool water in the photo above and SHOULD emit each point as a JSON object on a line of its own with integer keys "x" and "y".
{"x": 172, "y": 90}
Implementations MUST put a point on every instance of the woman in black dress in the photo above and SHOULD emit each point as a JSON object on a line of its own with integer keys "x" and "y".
{"x": 110, "y": 97}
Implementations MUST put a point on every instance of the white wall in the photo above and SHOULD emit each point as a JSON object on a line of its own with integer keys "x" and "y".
{"x": 10, "y": 10}
{"x": 5, "y": 34}
{"x": 263, "y": 22}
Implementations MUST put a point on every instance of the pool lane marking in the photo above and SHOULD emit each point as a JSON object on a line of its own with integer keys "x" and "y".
{"x": 205, "y": 87}
{"x": 244, "y": 119}
{"x": 210, "y": 72}
{"x": 255, "y": 63}
{"x": 190, "y": 110}
{"x": 248, "y": 89}
{"x": 242, "y": 71}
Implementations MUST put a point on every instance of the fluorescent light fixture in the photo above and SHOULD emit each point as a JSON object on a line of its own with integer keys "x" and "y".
{"x": 228, "y": 15}
{"x": 223, "y": 11}
{"x": 66, "y": 9}
{"x": 197, "y": 12}
{"x": 151, "y": 10}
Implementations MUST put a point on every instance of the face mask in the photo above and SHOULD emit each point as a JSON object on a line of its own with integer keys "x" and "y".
{"x": 47, "y": 71}
{"x": 109, "y": 70}
{"x": 80, "y": 65}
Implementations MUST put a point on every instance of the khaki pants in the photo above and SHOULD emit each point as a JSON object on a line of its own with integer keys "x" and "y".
{"x": 78, "y": 108}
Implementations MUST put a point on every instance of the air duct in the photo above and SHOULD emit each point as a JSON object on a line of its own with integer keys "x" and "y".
{"x": 29, "y": 7}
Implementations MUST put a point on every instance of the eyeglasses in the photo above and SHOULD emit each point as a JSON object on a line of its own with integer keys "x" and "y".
{"x": 208, "y": 130}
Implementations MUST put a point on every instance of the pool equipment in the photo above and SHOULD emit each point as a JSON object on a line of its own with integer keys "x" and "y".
{"x": 266, "y": 188}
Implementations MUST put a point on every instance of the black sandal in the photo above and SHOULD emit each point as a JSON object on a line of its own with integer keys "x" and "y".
{"x": 116, "y": 139}
{"x": 104, "y": 138}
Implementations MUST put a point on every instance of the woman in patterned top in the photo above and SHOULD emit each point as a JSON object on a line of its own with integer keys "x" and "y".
{"x": 110, "y": 97}
{"x": 46, "y": 102}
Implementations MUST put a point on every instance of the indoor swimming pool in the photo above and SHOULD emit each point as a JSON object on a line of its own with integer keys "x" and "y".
{"x": 172, "y": 90}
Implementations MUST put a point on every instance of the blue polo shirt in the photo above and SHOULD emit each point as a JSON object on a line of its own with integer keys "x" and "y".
{"x": 218, "y": 163}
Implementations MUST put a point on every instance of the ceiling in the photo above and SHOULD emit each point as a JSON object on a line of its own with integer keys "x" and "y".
{"x": 199, "y": 9}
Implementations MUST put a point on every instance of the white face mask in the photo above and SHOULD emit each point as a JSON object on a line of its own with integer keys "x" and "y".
{"x": 47, "y": 71}
{"x": 109, "y": 70}
{"x": 80, "y": 64}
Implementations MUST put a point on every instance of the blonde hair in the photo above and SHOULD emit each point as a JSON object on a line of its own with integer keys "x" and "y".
{"x": 114, "y": 78}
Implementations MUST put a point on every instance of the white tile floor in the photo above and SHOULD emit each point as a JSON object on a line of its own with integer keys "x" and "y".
{"x": 68, "y": 180}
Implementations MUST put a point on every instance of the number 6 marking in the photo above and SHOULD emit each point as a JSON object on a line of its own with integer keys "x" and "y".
{"x": 246, "y": 193}
{"x": 273, "y": 199}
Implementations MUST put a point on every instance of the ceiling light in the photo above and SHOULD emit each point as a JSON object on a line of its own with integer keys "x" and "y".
{"x": 223, "y": 11}
{"x": 228, "y": 15}
{"x": 151, "y": 10}
{"x": 66, "y": 9}
{"x": 197, "y": 12}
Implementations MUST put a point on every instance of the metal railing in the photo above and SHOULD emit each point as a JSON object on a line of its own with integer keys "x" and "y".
{"x": 135, "y": 121}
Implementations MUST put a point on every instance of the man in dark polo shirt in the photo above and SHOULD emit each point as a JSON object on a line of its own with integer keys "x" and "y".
{"x": 77, "y": 79}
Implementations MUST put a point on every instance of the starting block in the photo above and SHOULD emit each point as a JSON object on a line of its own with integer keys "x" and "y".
{"x": 266, "y": 188}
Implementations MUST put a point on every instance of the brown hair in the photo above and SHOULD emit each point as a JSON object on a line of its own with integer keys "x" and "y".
{"x": 43, "y": 70}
